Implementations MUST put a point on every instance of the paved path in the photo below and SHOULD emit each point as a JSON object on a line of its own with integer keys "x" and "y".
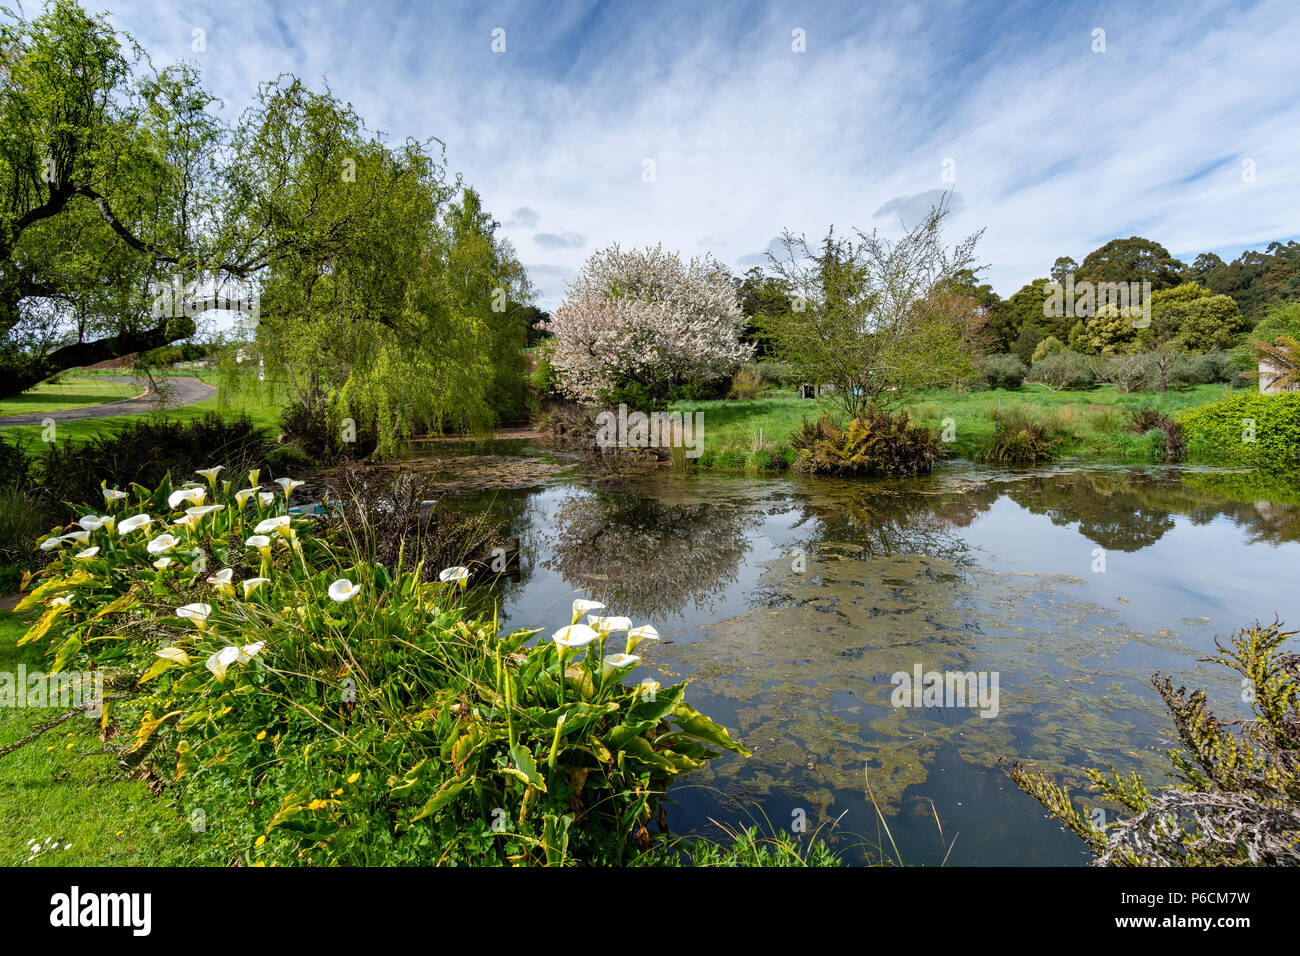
{"x": 184, "y": 391}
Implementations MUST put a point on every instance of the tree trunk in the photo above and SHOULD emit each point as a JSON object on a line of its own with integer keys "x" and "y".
{"x": 23, "y": 375}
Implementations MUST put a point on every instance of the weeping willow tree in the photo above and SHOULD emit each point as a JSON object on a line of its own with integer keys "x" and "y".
{"x": 390, "y": 301}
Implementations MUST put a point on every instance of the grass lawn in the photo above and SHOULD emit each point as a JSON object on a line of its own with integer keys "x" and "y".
{"x": 64, "y": 785}
{"x": 259, "y": 403}
{"x": 70, "y": 393}
{"x": 1092, "y": 422}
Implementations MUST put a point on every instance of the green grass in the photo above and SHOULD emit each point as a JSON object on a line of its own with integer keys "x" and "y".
{"x": 1092, "y": 422}
{"x": 70, "y": 393}
{"x": 261, "y": 404}
{"x": 65, "y": 785}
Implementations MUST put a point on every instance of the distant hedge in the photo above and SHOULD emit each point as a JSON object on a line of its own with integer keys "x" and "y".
{"x": 1224, "y": 430}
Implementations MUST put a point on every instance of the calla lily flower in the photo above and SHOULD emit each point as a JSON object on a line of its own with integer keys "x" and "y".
{"x": 457, "y": 574}
{"x": 252, "y": 584}
{"x": 79, "y": 537}
{"x": 638, "y": 634}
{"x": 249, "y": 651}
{"x": 63, "y": 600}
{"x": 647, "y": 689}
{"x": 92, "y": 522}
{"x": 343, "y": 590}
{"x": 271, "y": 525}
{"x": 252, "y": 476}
{"x": 112, "y": 495}
{"x": 607, "y": 625}
{"x": 210, "y": 474}
{"x": 164, "y": 542}
{"x": 262, "y": 543}
{"x": 187, "y": 521}
{"x": 617, "y": 662}
{"x": 573, "y": 636}
{"x": 242, "y": 496}
{"x": 198, "y": 613}
{"x": 49, "y": 544}
{"x": 222, "y": 580}
{"x": 201, "y": 511}
{"x": 264, "y": 498}
{"x": 192, "y": 495}
{"x": 87, "y": 554}
{"x": 173, "y": 654}
{"x": 163, "y": 563}
{"x": 581, "y": 607}
{"x": 134, "y": 523}
{"x": 221, "y": 660}
{"x": 288, "y": 484}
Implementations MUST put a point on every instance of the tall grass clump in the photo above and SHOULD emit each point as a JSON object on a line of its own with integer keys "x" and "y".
{"x": 877, "y": 444}
{"x": 1019, "y": 438}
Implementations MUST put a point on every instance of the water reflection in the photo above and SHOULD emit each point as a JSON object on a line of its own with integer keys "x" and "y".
{"x": 966, "y": 571}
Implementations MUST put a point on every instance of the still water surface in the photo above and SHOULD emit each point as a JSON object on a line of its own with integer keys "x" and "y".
{"x": 790, "y": 604}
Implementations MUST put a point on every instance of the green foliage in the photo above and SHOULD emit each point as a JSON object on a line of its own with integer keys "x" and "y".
{"x": 746, "y": 383}
{"x": 1063, "y": 370}
{"x": 1049, "y": 346}
{"x": 1191, "y": 318}
{"x": 1206, "y": 369}
{"x": 877, "y": 443}
{"x": 1003, "y": 371}
{"x": 1134, "y": 259}
{"x": 1019, "y": 439}
{"x": 361, "y": 722}
{"x": 1236, "y": 797}
{"x": 748, "y": 848}
{"x": 1261, "y": 430}
{"x": 1173, "y": 444}
{"x": 318, "y": 432}
{"x": 144, "y": 451}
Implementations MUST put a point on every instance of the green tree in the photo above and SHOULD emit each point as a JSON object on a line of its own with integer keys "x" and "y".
{"x": 1191, "y": 318}
{"x": 1132, "y": 260}
{"x": 876, "y": 318}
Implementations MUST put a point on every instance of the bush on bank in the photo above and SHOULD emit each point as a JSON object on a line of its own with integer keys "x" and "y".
{"x": 1254, "y": 429}
{"x": 305, "y": 707}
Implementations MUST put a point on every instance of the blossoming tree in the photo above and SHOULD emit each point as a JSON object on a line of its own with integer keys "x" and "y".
{"x": 648, "y": 318}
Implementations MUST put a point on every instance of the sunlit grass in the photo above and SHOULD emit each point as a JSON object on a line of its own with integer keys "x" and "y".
{"x": 70, "y": 393}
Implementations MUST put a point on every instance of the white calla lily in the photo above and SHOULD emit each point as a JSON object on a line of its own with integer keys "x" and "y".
{"x": 607, "y": 625}
{"x": 265, "y": 498}
{"x": 288, "y": 484}
{"x": 198, "y": 613}
{"x": 242, "y": 496}
{"x": 280, "y": 523}
{"x": 87, "y": 554}
{"x": 581, "y": 607}
{"x": 163, "y": 563}
{"x": 92, "y": 522}
{"x": 574, "y": 636}
{"x": 252, "y": 584}
{"x": 457, "y": 575}
{"x": 162, "y": 543}
{"x": 49, "y": 544}
{"x": 638, "y": 634}
{"x": 78, "y": 537}
{"x": 202, "y": 510}
{"x": 222, "y": 580}
{"x": 173, "y": 654}
{"x": 249, "y": 651}
{"x": 618, "y": 662}
{"x": 134, "y": 523}
{"x": 210, "y": 473}
{"x": 343, "y": 590}
{"x": 112, "y": 495}
{"x": 194, "y": 496}
{"x": 221, "y": 660}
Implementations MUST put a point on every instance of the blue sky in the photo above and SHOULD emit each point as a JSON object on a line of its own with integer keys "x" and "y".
{"x": 1054, "y": 147}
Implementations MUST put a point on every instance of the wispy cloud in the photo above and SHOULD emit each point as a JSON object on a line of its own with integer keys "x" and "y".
{"x": 1054, "y": 148}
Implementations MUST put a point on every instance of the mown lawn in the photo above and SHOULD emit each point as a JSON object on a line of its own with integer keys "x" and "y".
{"x": 65, "y": 786}
{"x": 1091, "y": 422}
{"x": 70, "y": 393}
{"x": 261, "y": 404}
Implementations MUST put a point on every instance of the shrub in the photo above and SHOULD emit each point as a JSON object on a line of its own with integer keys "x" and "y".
{"x": 1236, "y": 797}
{"x": 1018, "y": 439}
{"x": 1128, "y": 373}
{"x": 144, "y": 451}
{"x": 1003, "y": 371}
{"x": 23, "y": 518}
{"x": 877, "y": 444}
{"x": 14, "y": 465}
{"x": 319, "y": 433}
{"x": 746, "y": 383}
{"x": 369, "y": 720}
{"x": 779, "y": 374}
{"x": 1207, "y": 369}
{"x": 1049, "y": 346}
{"x": 1262, "y": 430}
{"x": 1063, "y": 370}
{"x": 1146, "y": 420}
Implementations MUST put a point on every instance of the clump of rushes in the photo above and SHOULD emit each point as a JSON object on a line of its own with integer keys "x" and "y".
{"x": 1019, "y": 440}
{"x": 339, "y": 711}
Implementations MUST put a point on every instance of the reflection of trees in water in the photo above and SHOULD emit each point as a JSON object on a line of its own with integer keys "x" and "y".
{"x": 1116, "y": 512}
{"x": 892, "y": 522}
{"x": 1131, "y": 511}
{"x": 646, "y": 558}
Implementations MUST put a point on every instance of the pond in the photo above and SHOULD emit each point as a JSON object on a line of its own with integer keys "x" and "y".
{"x": 792, "y": 603}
